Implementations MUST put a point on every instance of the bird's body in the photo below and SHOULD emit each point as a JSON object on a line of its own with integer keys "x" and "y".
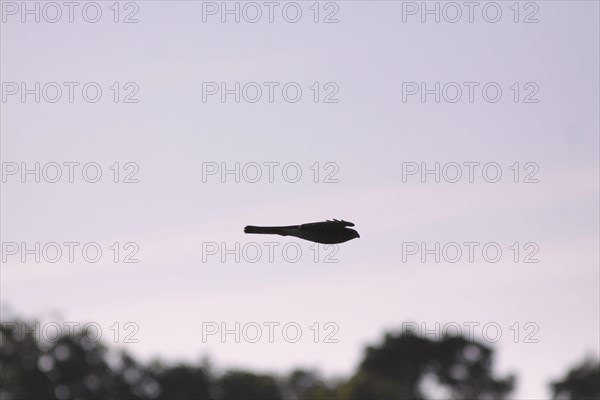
{"x": 328, "y": 232}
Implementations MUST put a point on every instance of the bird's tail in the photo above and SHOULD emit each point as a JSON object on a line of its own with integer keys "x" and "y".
{"x": 273, "y": 230}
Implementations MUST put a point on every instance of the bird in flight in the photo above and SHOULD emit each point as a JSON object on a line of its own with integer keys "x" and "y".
{"x": 328, "y": 232}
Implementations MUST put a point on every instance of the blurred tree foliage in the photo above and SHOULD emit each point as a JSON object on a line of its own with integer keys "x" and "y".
{"x": 401, "y": 367}
{"x": 406, "y": 367}
{"x": 581, "y": 382}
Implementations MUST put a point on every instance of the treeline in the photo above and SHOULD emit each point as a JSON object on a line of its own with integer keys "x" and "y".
{"x": 401, "y": 367}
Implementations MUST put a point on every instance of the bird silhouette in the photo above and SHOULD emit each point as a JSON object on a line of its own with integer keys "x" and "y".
{"x": 328, "y": 232}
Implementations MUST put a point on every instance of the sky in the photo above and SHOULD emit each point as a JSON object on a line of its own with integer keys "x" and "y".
{"x": 479, "y": 128}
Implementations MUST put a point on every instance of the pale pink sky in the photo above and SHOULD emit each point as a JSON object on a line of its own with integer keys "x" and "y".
{"x": 369, "y": 134}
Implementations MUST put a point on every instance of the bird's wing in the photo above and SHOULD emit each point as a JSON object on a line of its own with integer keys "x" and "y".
{"x": 342, "y": 222}
{"x": 327, "y": 225}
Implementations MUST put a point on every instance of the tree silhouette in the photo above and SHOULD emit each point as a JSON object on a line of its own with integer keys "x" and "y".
{"x": 406, "y": 366}
{"x": 72, "y": 366}
{"x": 183, "y": 382}
{"x": 581, "y": 382}
{"x": 304, "y": 384}
{"x": 401, "y": 367}
{"x": 238, "y": 385}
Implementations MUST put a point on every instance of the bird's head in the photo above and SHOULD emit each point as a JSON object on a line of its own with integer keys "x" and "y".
{"x": 353, "y": 233}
